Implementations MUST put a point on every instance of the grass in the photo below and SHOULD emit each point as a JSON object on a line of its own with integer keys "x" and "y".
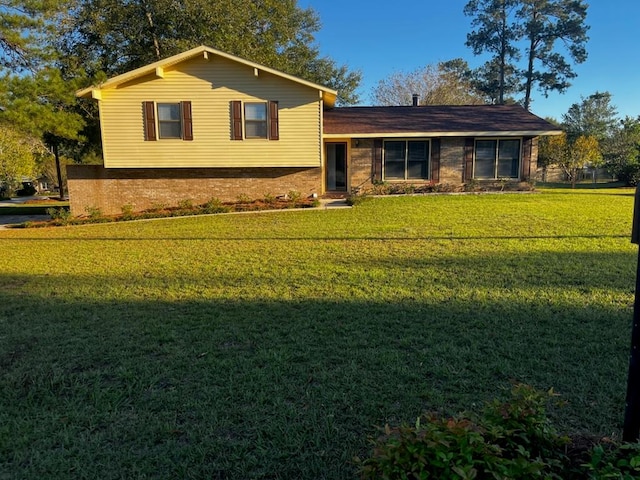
{"x": 271, "y": 345}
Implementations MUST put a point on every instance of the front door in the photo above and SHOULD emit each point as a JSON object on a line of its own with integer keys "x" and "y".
{"x": 336, "y": 167}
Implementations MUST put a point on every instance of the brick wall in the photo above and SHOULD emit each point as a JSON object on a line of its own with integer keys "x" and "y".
{"x": 451, "y": 160}
{"x": 110, "y": 189}
{"x": 361, "y": 162}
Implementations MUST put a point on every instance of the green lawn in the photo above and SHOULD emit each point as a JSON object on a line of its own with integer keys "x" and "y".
{"x": 271, "y": 345}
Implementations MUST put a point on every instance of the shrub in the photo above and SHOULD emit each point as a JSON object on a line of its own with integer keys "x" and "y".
{"x": 94, "y": 213}
{"x": 471, "y": 186}
{"x": 510, "y": 440}
{"x": 269, "y": 199}
{"x": 127, "y": 212}
{"x": 157, "y": 207}
{"x": 356, "y": 199}
{"x": 60, "y": 216}
{"x": 215, "y": 205}
{"x": 186, "y": 204}
{"x": 243, "y": 198}
{"x": 381, "y": 188}
{"x": 614, "y": 462}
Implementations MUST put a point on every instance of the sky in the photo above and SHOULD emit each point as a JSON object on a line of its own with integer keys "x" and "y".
{"x": 380, "y": 37}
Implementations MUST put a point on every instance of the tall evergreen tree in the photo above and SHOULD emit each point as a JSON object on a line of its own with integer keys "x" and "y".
{"x": 546, "y": 22}
{"x": 550, "y": 33}
{"x": 495, "y": 33}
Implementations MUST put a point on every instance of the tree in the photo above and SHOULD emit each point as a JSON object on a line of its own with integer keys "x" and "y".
{"x": 583, "y": 152}
{"x": 486, "y": 81}
{"x": 17, "y": 160}
{"x": 496, "y": 34}
{"x": 546, "y": 22}
{"x": 592, "y": 116}
{"x": 41, "y": 105}
{"x": 551, "y": 150}
{"x": 115, "y": 36}
{"x": 447, "y": 83}
{"x": 622, "y": 151}
{"x": 24, "y": 25}
{"x": 506, "y": 28}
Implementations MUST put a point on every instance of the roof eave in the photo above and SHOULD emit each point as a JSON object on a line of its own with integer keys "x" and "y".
{"x": 158, "y": 66}
{"x": 483, "y": 133}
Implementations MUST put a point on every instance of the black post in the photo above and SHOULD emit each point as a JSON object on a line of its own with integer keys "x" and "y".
{"x": 631, "y": 429}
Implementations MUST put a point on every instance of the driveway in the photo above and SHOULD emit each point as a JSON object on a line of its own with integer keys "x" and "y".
{"x": 6, "y": 220}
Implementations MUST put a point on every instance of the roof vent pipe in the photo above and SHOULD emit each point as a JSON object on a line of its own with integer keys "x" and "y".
{"x": 415, "y": 99}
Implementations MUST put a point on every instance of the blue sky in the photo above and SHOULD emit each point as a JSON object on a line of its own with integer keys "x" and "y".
{"x": 381, "y": 37}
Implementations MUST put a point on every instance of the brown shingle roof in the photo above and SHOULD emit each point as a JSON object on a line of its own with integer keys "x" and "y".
{"x": 432, "y": 119}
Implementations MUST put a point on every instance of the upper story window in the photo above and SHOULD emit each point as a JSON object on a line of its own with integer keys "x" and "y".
{"x": 406, "y": 160}
{"x": 167, "y": 121}
{"x": 496, "y": 158}
{"x": 255, "y": 120}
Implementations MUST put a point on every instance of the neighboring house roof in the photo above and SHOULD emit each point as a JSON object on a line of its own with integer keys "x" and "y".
{"x": 328, "y": 95}
{"x": 435, "y": 120}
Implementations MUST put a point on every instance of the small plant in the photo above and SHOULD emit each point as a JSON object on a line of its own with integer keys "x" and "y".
{"x": 471, "y": 186}
{"x": 269, "y": 199}
{"x": 357, "y": 199}
{"x": 186, "y": 204}
{"x": 408, "y": 189}
{"x": 61, "y": 216}
{"x": 381, "y": 188}
{"x": 243, "y": 198}
{"x": 294, "y": 197}
{"x": 214, "y": 205}
{"x": 94, "y": 213}
{"x": 614, "y": 462}
{"x": 157, "y": 207}
{"x": 127, "y": 211}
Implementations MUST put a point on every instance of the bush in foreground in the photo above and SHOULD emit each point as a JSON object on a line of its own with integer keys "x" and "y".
{"x": 511, "y": 439}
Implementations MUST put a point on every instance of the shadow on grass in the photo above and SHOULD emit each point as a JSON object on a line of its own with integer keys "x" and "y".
{"x": 232, "y": 388}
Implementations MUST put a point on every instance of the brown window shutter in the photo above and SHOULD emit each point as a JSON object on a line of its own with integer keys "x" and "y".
{"x": 274, "y": 128}
{"x": 377, "y": 160}
{"x": 527, "y": 145}
{"x": 435, "y": 160}
{"x": 236, "y": 120}
{"x": 149, "y": 110}
{"x": 469, "y": 144}
{"x": 187, "y": 121}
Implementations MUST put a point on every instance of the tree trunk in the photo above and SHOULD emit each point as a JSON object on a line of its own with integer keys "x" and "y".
{"x": 58, "y": 169}
{"x": 156, "y": 44}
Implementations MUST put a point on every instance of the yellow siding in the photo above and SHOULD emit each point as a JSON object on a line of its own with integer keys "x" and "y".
{"x": 210, "y": 85}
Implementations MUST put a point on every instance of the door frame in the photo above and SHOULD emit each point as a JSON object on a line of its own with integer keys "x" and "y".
{"x": 346, "y": 167}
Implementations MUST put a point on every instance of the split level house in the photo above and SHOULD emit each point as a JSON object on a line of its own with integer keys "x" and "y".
{"x": 205, "y": 124}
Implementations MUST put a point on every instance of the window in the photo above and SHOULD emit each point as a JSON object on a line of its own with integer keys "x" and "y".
{"x": 255, "y": 120}
{"x": 169, "y": 120}
{"x": 496, "y": 159}
{"x": 250, "y": 120}
{"x": 406, "y": 160}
